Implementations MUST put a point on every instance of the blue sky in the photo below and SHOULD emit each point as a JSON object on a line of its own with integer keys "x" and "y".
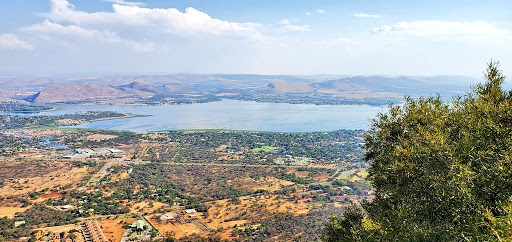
{"x": 254, "y": 36}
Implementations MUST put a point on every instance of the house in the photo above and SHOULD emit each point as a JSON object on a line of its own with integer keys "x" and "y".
{"x": 304, "y": 200}
{"x": 168, "y": 216}
{"x": 342, "y": 198}
{"x": 66, "y": 207}
{"x": 322, "y": 194}
{"x": 19, "y": 223}
{"x": 92, "y": 231}
{"x": 190, "y": 211}
{"x": 116, "y": 151}
{"x": 80, "y": 153}
{"x": 139, "y": 225}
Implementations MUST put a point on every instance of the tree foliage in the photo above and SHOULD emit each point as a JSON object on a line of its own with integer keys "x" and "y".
{"x": 442, "y": 171}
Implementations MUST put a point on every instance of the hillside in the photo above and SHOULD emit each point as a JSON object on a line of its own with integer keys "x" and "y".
{"x": 85, "y": 92}
{"x": 206, "y": 88}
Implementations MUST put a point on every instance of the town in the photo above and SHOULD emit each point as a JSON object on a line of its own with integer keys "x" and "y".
{"x": 97, "y": 185}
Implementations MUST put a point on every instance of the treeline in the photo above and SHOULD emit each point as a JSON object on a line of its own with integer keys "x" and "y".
{"x": 312, "y": 98}
{"x": 22, "y": 121}
{"x": 328, "y": 147}
{"x": 38, "y": 214}
{"x": 13, "y": 107}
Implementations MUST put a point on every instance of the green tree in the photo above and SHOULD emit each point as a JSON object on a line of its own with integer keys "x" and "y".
{"x": 442, "y": 171}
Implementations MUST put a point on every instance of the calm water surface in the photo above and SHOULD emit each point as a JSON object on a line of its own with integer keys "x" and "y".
{"x": 234, "y": 115}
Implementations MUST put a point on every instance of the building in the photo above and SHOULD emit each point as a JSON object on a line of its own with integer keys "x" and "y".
{"x": 80, "y": 153}
{"x": 304, "y": 200}
{"x": 116, "y": 151}
{"x": 19, "y": 223}
{"x": 168, "y": 216}
{"x": 190, "y": 211}
{"x": 138, "y": 225}
{"x": 93, "y": 232}
{"x": 342, "y": 198}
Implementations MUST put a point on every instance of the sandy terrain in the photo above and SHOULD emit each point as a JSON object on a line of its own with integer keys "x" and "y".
{"x": 176, "y": 230}
{"x": 144, "y": 207}
{"x": 224, "y": 214}
{"x": 268, "y": 183}
{"x": 63, "y": 228}
{"x": 51, "y": 195}
{"x": 113, "y": 228}
{"x": 99, "y": 137}
{"x": 50, "y": 180}
{"x": 10, "y": 211}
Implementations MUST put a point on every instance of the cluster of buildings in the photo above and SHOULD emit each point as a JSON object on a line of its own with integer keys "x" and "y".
{"x": 93, "y": 232}
{"x": 176, "y": 216}
{"x": 76, "y": 236}
{"x": 293, "y": 161}
{"x": 88, "y": 153}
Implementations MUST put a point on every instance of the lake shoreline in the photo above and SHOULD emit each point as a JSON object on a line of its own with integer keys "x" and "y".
{"x": 229, "y": 114}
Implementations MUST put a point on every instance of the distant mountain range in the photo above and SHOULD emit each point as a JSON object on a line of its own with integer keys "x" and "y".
{"x": 204, "y": 88}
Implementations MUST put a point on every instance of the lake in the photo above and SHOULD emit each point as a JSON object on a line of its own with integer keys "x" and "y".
{"x": 233, "y": 115}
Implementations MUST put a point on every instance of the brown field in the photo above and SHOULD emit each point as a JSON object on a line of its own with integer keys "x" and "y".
{"x": 11, "y": 168}
{"x": 319, "y": 176}
{"x": 353, "y": 174}
{"x": 144, "y": 207}
{"x": 10, "y": 211}
{"x": 53, "y": 179}
{"x": 113, "y": 228}
{"x": 176, "y": 230}
{"x": 100, "y": 137}
{"x": 63, "y": 228}
{"x": 223, "y": 215}
{"x": 51, "y": 195}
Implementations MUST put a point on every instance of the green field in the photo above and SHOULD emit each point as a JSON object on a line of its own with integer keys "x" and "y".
{"x": 265, "y": 148}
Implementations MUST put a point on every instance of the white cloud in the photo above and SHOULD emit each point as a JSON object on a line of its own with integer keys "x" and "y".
{"x": 291, "y": 28}
{"x": 320, "y": 11}
{"x": 47, "y": 27}
{"x": 445, "y": 30}
{"x": 284, "y": 22}
{"x": 10, "y": 41}
{"x": 287, "y": 21}
{"x": 122, "y": 2}
{"x": 54, "y": 28}
{"x": 365, "y": 15}
{"x": 170, "y": 20}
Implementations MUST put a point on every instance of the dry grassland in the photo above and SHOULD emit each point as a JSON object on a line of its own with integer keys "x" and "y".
{"x": 113, "y": 228}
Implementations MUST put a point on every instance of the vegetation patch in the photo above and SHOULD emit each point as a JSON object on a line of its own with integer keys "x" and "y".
{"x": 265, "y": 148}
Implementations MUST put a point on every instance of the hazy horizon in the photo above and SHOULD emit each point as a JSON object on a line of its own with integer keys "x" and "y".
{"x": 392, "y": 38}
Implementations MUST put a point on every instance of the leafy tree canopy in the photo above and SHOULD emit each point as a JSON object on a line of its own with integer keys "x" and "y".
{"x": 442, "y": 171}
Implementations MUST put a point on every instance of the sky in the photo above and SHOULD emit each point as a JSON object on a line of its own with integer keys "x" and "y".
{"x": 295, "y": 37}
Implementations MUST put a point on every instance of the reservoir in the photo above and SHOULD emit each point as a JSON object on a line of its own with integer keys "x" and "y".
{"x": 232, "y": 115}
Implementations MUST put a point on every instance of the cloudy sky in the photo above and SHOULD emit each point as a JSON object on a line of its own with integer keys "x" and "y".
{"x": 393, "y": 37}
